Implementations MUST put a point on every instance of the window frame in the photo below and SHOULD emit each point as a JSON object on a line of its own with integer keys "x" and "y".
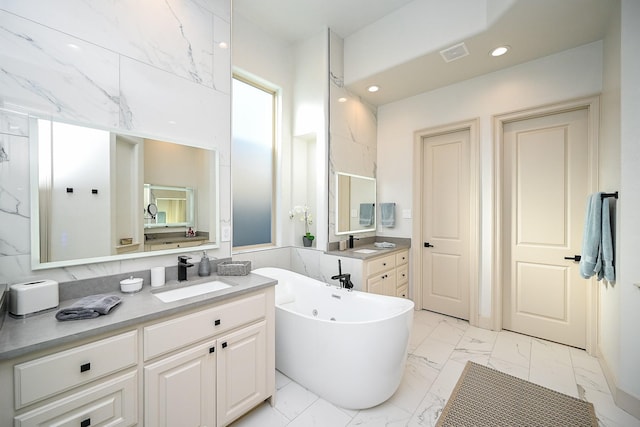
{"x": 274, "y": 160}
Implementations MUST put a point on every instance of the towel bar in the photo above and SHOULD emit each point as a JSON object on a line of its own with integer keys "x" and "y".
{"x": 615, "y": 195}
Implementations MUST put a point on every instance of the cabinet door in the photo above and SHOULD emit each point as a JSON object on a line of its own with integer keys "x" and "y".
{"x": 180, "y": 389}
{"x": 383, "y": 283}
{"x": 241, "y": 372}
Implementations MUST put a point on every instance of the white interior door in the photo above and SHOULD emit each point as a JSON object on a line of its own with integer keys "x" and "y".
{"x": 446, "y": 228}
{"x": 545, "y": 187}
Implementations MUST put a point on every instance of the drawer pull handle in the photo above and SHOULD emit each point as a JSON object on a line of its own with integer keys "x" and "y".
{"x": 384, "y": 264}
{"x": 85, "y": 367}
{"x": 85, "y": 423}
{"x": 216, "y": 322}
{"x": 224, "y": 344}
{"x": 212, "y": 349}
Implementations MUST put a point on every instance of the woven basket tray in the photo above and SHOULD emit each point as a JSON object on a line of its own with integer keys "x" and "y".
{"x": 234, "y": 268}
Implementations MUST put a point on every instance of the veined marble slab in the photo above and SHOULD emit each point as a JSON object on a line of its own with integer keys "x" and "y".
{"x": 46, "y": 71}
{"x": 172, "y": 35}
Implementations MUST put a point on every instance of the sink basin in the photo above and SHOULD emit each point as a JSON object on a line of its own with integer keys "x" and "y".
{"x": 191, "y": 291}
{"x": 365, "y": 251}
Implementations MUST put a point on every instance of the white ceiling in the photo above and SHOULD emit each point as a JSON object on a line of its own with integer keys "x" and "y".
{"x": 533, "y": 28}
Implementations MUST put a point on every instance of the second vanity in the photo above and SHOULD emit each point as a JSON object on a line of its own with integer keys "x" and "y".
{"x": 203, "y": 360}
{"x": 383, "y": 271}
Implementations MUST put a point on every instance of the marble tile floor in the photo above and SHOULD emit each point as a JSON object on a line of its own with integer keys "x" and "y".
{"x": 439, "y": 347}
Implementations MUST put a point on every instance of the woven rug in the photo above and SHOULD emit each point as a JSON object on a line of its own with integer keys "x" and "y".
{"x": 486, "y": 397}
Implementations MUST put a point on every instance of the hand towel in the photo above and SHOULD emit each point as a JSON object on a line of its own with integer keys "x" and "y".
{"x": 388, "y": 214}
{"x": 89, "y": 307}
{"x": 591, "y": 237}
{"x": 367, "y": 212}
{"x": 607, "y": 270}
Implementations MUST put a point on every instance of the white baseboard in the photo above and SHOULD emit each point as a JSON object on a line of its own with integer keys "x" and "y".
{"x": 622, "y": 399}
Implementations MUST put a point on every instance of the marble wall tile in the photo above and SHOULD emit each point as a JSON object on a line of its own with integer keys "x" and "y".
{"x": 158, "y": 103}
{"x": 49, "y": 72}
{"x": 221, "y": 55}
{"x": 13, "y": 123}
{"x": 173, "y": 35}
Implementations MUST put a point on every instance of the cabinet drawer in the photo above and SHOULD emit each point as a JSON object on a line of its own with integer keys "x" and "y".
{"x": 379, "y": 264}
{"x": 402, "y": 276}
{"x": 402, "y": 257}
{"x": 112, "y": 403}
{"x": 46, "y": 376}
{"x": 176, "y": 333}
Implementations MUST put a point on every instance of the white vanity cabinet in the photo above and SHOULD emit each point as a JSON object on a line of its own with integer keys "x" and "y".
{"x": 388, "y": 274}
{"x": 204, "y": 367}
{"x": 218, "y": 380}
{"x": 92, "y": 384}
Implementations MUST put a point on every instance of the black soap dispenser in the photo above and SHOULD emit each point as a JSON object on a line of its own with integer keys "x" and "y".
{"x": 204, "y": 269}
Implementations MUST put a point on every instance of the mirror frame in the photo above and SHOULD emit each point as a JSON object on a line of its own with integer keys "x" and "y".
{"x": 35, "y": 201}
{"x": 337, "y": 207}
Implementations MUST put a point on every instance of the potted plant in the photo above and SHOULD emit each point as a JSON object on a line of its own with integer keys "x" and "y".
{"x": 305, "y": 216}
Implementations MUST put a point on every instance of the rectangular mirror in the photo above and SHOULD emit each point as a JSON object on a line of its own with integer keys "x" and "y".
{"x": 168, "y": 206}
{"x": 355, "y": 204}
{"x": 92, "y": 190}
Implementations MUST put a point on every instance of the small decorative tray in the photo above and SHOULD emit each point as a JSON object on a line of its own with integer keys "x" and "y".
{"x": 234, "y": 268}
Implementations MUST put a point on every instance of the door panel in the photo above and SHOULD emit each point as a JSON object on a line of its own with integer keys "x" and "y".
{"x": 546, "y": 175}
{"x": 446, "y": 215}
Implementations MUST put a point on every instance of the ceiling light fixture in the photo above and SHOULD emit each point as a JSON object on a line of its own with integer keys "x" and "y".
{"x": 223, "y": 45}
{"x": 342, "y": 99}
{"x": 500, "y": 50}
{"x": 373, "y": 88}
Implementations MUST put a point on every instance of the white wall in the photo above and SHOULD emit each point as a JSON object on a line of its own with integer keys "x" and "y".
{"x": 609, "y": 180}
{"x": 570, "y": 74}
{"x": 628, "y": 272}
{"x": 111, "y": 66}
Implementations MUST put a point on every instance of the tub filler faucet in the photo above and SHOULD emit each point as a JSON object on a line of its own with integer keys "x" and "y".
{"x": 345, "y": 279}
{"x": 183, "y": 264}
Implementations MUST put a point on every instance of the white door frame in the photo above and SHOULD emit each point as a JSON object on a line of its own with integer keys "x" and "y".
{"x": 592, "y": 105}
{"x": 474, "y": 209}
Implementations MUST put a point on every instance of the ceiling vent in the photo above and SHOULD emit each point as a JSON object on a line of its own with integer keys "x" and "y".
{"x": 454, "y": 52}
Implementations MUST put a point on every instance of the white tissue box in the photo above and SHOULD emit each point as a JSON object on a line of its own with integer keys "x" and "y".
{"x": 32, "y": 297}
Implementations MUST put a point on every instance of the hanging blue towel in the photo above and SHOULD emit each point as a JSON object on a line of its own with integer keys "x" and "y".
{"x": 607, "y": 272}
{"x": 367, "y": 212}
{"x": 388, "y": 214}
{"x": 589, "y": 262}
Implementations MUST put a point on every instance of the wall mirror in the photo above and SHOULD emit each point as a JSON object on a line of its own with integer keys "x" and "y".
{"x": 168, "y": 206}
{"x": 99, "y": 195}
{"x": 355, "y": 203}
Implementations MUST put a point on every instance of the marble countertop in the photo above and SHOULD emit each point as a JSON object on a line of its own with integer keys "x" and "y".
{"x": 43, "y": 331}
{"x": 353, "y": 253}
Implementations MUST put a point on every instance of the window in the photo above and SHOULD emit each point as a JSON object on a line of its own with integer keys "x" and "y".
{"x": 252, "y": 163}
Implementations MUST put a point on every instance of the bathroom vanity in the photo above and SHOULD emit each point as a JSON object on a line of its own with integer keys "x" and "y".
{"x": 382, "y": 271}
{"x": 203, "y": 360}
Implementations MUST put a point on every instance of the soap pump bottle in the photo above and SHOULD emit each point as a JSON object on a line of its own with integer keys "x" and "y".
{"x": 204, "y": 269}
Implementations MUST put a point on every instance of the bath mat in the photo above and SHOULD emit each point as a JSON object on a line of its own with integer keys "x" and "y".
{"x": 486, "y": 397}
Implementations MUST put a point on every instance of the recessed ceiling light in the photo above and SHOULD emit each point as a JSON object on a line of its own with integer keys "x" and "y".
{"x": 500, "y": 50}
{"x": 373, "y": 88}
{"x": 342, "y": 99}
{"x": 223, "y": 45}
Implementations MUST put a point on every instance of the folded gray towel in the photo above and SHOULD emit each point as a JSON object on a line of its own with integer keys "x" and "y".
{"x": 89, "y": 307}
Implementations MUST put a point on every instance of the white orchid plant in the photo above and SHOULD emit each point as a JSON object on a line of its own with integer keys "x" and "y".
{"x": 305, "y": 216}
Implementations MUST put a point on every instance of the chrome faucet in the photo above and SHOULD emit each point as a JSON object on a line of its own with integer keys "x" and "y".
{"x": 345, "y": 279}
{"x": 182, "y": 267}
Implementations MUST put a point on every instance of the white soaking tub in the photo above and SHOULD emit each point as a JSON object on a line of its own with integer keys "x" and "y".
{"x": 348, "y": 347}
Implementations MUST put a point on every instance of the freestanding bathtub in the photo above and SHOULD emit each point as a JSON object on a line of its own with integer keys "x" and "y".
{"x": 348, "y": 347}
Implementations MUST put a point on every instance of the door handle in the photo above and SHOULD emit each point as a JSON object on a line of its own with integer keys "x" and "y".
{"x": 428, "y": 245}
{"x": 574, "y": 258}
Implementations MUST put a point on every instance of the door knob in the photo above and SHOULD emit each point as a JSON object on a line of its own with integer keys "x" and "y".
{"x": 428, "y": 245}
{"x": 574, "y": 258}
